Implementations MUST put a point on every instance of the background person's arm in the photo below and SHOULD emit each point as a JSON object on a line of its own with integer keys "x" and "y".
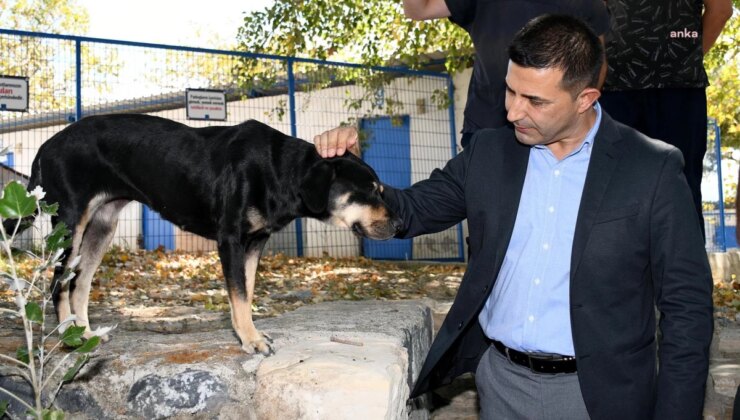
{"x": 425, "y": 9}
{"x": 716, "y": 14}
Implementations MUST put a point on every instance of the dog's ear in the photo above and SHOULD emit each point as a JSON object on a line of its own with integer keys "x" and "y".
{"x": 316, "y": 185}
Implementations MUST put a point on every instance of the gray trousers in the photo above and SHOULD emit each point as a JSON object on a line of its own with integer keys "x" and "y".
{"x": 510, "y": 391}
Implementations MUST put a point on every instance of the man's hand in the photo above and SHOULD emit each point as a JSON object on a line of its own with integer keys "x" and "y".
{"x": 336, "y": 141}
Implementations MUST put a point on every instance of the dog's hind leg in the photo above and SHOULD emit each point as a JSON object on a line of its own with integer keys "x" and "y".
{"x": 60, "y": 292}
{"x": 240, "y": 269}
{"x": 97, "y": 236}
{"x": 76, "y": 218}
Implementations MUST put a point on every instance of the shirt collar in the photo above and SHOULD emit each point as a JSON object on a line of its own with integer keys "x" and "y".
{"x": 590, "y": 136}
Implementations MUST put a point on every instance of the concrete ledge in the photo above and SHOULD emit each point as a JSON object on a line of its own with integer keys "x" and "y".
{"x": 725, "y": 265}
{"x": 142, "y": 374}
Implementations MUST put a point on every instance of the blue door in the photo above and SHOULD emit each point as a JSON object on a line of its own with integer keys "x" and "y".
{"x": 389, "y": 153}
{"x": 157, "y": 231}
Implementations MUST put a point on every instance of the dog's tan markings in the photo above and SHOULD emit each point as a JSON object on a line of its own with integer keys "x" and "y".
{"x": 99, "y": 232}
{"x": 350, "y": 214}
{"x": 255, "y": 219}
{"x": 63, "y": 307}
{"x": 373, "y": 219}
{"x": 241, "y": 310}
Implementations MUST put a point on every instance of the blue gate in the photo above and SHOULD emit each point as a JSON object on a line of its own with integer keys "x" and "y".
{"x": 389, "y": 153}
{"x": 157, "y": 231}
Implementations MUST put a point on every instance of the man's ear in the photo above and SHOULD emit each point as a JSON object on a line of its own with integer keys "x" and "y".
{"x": 587, "y": 98}
{"x": 315, "y": 186}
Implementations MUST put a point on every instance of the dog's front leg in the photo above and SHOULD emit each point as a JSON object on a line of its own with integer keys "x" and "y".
{"x": 239, "y": 264}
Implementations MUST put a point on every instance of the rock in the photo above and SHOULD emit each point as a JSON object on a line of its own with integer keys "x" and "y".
{"x": 192, "y": 391}
{"x": 729, "y": 340}
{"x": 304, "y": 296}
{"x": 191, "y": 372}
{"x": 325, "y": 380}
{"x": 725, "y": 265}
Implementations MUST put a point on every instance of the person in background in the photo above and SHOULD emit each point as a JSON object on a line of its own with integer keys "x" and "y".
{"x": 492, "y": 25}
{"x": 579, "y": 228}
{"x": 656, "y": 80}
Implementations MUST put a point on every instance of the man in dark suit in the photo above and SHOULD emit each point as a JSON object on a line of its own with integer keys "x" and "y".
{"x": 579, "y": 227}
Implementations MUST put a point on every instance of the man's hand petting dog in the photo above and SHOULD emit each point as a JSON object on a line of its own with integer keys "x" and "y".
{"x": 336, "y": 141}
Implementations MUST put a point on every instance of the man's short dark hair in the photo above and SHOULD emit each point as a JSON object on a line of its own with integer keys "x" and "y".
{"x": 560, "y": 41}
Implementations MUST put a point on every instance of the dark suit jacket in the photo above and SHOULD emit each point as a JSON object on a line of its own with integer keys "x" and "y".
{"x": 637, "y": 244}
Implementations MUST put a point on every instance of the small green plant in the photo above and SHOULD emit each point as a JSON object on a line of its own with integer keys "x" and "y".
{"x": 42, "y": 361}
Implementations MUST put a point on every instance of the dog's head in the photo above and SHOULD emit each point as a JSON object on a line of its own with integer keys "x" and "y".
{"x": 344, "y": 191}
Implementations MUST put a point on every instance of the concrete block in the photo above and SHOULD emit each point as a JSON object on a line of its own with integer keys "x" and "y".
{"x": 194, "y": 369}
{"x": 323, "y": 380}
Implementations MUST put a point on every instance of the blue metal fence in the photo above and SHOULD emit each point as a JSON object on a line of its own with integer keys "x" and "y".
{"x": 719, "y": 223}
{"x": 71, "y": 77}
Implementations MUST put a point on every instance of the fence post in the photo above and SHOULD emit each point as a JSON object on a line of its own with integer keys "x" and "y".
{"x": 78, "y": 79}
{"x": 294, "y": 133}
{"x": 453, "y": 146}
{"x": 718, "y": 153}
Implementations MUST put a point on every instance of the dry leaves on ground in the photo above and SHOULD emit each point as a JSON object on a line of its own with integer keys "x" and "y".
{"x": 157, "y": 278}
{"x": 132, "y": 278}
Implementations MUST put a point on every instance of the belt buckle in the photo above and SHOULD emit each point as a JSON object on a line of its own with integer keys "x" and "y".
{"x": 531, "y": 365}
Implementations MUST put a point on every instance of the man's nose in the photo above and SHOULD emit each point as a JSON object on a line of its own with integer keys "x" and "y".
{"x": 514, "y": 110}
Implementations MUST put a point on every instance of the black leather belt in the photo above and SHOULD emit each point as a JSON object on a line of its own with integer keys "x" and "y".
{"x": 557, "y": 364}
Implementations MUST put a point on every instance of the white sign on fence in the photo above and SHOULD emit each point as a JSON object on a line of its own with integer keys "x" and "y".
{"x": 205, "y": 104}
{"x": 13, "y": 93}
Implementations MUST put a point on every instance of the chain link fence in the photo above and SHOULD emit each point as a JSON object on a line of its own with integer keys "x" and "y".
{"x": 405, "y": 118}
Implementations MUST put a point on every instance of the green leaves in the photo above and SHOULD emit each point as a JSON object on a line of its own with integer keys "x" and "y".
{"x": 16, "y": 203}
{"x": 52, "y": 414}
{"x": 3, "y": 408}
{"x": 50, "y": 209}
{"x": 72, "y": 336}
{"x": 89, "y": 345}
{"x": 72, "y": 372}
{"x": 33, "y": 312}
{"x": 22, "y": 354}
{"x": 58, "y": 238}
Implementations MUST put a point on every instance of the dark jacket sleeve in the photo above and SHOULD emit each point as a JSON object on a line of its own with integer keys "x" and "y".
{"x": 683, "y": 290}
{"x": 434, "y": 204}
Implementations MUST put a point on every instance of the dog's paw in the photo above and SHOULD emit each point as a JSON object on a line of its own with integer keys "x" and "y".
{"x": 261, "y": 346}
{"x": 89, "y": 334}
{"x": 100, "y": 332}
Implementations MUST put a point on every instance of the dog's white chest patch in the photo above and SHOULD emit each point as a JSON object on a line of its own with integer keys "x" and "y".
{"x": 256, "y": 220}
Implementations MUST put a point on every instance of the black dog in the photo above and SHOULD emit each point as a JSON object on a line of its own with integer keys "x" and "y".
{"x": 234, "y": 184}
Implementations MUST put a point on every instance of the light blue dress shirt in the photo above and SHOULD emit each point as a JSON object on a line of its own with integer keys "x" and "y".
{"x": 529, "y": 306}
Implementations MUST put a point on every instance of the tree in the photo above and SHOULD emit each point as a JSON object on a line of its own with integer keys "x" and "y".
{"x": 50, "y": 64}
{"x": 723, "y": 68}
{"x": 369, "y": 32}
{"x": 53, "y": 16}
